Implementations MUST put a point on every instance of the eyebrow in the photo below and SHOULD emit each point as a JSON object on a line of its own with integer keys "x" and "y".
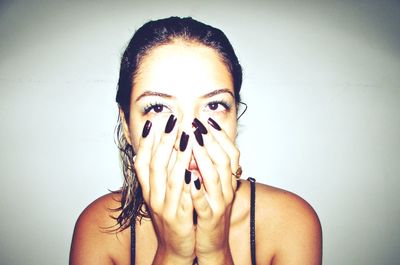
{"x": 152, "y": 93}
{"x": 163, "y": 95}
{"x": 218, "y": 91}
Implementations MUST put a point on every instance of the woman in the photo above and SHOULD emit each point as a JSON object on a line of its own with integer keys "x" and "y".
{"x": 182, "y": 201}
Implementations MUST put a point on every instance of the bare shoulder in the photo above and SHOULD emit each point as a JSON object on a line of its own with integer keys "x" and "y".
{"x": 93, "y": 239}
{"x": 286, "y": 207}
{"x": 292, "y": 225}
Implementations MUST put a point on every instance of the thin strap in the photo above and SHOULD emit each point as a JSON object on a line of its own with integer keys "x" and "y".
{"x": 252, "y": 220}
{"x": 133, "y": 237}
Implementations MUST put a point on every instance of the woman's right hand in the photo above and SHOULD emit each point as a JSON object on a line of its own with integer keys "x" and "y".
{"x": 161, "y": 172}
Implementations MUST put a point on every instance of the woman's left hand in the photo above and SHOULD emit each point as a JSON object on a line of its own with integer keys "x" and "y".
{"x": 216, "y": 160}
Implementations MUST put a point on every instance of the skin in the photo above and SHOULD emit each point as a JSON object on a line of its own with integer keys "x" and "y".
{"x": 187, "y": 80}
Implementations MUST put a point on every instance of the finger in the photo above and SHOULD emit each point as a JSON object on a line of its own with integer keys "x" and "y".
{"x": 200, "y": 202}
{"x": 143, "y": 157}
{"x": 222, "y": 163}
{"x": 228, "y": 145}
{"x": 159, "y": 164}
{"x": 185, "y": 209}
{"x": 176, "y": 179}
{"x": 209, "y": 173}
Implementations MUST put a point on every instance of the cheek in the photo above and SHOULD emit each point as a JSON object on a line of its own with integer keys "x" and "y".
{"x": 135, "y": 137}
{"x": 229, "y": 125}
{"x": 232, "y": 131}
{"x": 135, "y": 131}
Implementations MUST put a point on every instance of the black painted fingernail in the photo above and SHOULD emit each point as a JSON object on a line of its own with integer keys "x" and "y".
{"x": 184, "y": 141}
{"x": 146, "y": 129}
{"x": 188, "y": 176}
{"x": 214, "y": 124}
{"x": 170, "y": 124}
{"x": 199, "y": 137}
{"x": 197, "y": 183}
{"x": 199, "y": 126}
{"x": 195, "y": 222}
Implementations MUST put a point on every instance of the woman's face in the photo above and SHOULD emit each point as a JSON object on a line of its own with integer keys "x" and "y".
{"x": 187, "y": 80}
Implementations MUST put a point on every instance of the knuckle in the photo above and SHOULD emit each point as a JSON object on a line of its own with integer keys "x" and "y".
{"x": 236, "y": 153}
{"x": 196, "y": 197}
{"x": 171, "y": 185}
{"x": 204, "y": 210}
{"x": 219, "y": 212}
{"x": 200, "y": 202}
{"x": 208, "y": 211}
{"x": 215, "y": 181}
{"x": 204, "y": 206}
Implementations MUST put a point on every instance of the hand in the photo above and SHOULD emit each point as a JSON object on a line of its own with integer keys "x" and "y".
{"x": 161, "y": 173}
{"x": 216, "y": 161}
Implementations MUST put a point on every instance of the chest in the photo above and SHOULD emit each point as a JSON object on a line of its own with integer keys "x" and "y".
{"x": 146, "y": 245}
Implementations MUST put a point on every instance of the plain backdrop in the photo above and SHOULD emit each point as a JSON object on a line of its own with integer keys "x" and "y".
{"x": 321, "y": 79}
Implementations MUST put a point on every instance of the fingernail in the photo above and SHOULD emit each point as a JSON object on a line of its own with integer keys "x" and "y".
{"x": 188, "y": 176}
{"x": 195, "y": 222}
{"x": 197, "y": 183}
{"x": 214, "y": 124}
{"x": 170, "y": 124}
{"x": 198, "y": 125}
{"x": 184, "y": 141}
{"x": 199, "y": 137}
{"x": 146, "y": 129}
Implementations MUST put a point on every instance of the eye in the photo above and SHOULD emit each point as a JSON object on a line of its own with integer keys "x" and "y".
{"x": 218, "y": 106}
{"x": 213, "y": 106}
{"x": 158, "y": 108}
{"x": 154, "y": 107}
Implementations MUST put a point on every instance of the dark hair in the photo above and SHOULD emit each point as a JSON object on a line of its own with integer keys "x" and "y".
{"x": 151, "y": 35}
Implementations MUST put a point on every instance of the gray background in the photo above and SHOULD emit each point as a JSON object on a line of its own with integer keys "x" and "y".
{"x": 321, "y": 78}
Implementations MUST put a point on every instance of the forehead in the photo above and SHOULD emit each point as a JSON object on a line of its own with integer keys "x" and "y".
{"x": 182, "y": 68}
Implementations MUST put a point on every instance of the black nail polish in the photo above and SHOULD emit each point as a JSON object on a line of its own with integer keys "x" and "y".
{"x": 195, "y": 222}
{"x": 199, "y": 137}
{"x": 214, "y": 124}
{"x": 188, "y": 176}
{"x": 170, "y": 124}
{"x": 197, "y": 183}
{"x": 199, "y": 126}
{"x": 183, "y": 142}
{"x": 146, "y": 129}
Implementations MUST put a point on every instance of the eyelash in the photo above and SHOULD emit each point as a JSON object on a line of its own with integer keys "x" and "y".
{"x": 224, "y": 104}
{"x": 152, "y": 106}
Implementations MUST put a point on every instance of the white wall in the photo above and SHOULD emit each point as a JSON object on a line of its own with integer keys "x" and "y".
{"x": 322, "y": 81}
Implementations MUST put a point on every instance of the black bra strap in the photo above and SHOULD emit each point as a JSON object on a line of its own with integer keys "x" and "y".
{"x": 252, "y": 220}
{"x": 133, "y": 237}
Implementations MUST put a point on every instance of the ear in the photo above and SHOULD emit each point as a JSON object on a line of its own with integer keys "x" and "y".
{"x": 125, "y": 127}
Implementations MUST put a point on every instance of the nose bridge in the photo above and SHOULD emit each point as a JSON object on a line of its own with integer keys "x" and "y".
{"x": 187, "y": 112}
